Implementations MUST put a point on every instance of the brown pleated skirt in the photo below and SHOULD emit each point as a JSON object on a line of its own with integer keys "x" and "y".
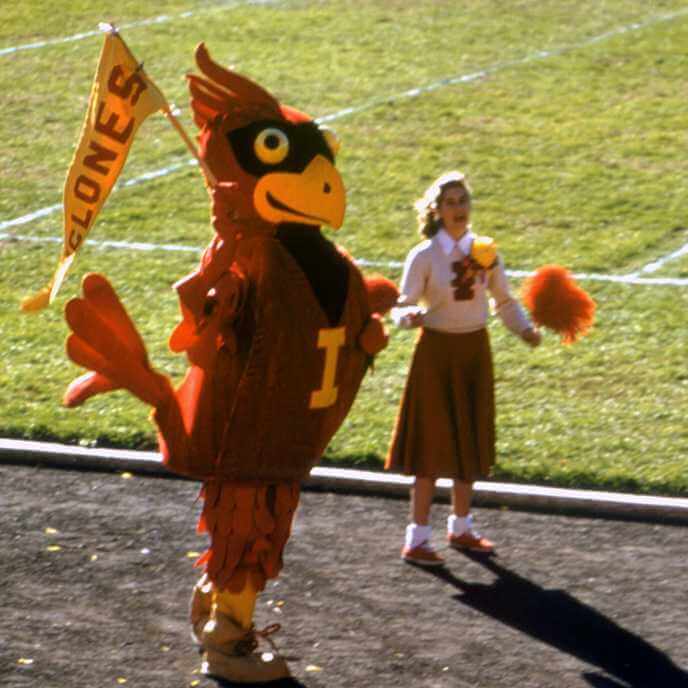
{"x": 446, "y": 422}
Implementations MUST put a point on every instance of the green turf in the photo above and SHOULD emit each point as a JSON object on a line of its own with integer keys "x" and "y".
{"x": 576, "y": 157}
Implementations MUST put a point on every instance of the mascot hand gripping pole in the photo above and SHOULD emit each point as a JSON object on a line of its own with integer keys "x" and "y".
{"x": 279, "y": 328}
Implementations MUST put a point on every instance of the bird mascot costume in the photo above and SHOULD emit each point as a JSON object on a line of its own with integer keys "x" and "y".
{"x": 279, "y": 328}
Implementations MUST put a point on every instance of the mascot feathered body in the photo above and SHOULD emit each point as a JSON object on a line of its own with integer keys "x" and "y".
{"x": 279, "y": 327}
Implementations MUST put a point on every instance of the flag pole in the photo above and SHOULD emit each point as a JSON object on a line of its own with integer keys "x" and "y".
{"x": 189, "y": 144}
{"x": 167, "y": 110}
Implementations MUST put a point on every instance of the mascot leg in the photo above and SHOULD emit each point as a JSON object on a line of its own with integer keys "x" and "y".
{"x": 200, "y": 607}
{"x": 206, "y": 598}
{"x": 238, "y": 606}
{"x": 248, "y": 527}
{"x": 229, "y": 641}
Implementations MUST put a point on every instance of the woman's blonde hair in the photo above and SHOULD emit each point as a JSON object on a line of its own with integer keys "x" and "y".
{"x": 429, "y": 221}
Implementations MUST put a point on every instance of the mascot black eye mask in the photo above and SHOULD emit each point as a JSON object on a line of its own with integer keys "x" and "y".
{"x": 291, "y": 146}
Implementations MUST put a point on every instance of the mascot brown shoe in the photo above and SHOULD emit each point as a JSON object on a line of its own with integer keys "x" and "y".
{"x": 230, "y": 652}
{"x": 200, "y": 607}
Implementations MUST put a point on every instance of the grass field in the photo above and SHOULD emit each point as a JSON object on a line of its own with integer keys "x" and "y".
{"x": 571, "y": 122}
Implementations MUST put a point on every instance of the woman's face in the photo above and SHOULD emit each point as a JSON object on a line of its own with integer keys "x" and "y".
{"x": 455, "y": 210}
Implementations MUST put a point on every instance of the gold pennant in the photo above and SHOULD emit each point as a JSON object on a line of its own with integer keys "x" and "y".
{"x": 122, "y": 96}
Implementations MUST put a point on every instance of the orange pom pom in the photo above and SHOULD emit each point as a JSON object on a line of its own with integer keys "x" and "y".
{"x": 555, "y": 301}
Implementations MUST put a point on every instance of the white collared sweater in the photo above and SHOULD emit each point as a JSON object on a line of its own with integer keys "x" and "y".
{"x": 427, "y": 283}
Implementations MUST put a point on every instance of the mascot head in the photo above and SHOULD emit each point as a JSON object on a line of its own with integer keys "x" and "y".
{"x": 278, "y": 157}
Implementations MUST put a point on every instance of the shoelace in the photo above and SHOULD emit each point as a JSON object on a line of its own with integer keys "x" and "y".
{"x": 247, "y": 644}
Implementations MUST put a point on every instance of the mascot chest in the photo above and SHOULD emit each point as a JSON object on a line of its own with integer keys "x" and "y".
{"x": 300, "y": 371}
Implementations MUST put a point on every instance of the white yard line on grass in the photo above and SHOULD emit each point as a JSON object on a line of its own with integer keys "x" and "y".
{"x": 30, "y": 217}
{"x": 122, "y": 245}
{"x": 363, "y": 262}
{"x": 534, "y": 57}
{"x": 633, "y": 278}
{"x": 135, "y": 181}
{"x": 161, "y": 19}
{"x": 164, "y": 18}
{"x": 617, "y": 279}
{"x": 658, "y": 264}
{"x": 411, "y": 93}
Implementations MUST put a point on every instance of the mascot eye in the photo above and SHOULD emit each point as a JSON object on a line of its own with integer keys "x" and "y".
{"x": 331, "y": 140}
{"x": 271, "y": 146}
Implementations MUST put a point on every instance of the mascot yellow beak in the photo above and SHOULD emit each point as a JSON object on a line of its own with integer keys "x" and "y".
{"x": 315, "y": 196}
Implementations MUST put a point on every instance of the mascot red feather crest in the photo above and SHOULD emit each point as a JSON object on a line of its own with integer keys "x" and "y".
{"x": 279, "y": 328}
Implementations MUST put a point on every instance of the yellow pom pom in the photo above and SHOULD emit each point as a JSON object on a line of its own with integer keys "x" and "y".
{"x": 484, "y": 251}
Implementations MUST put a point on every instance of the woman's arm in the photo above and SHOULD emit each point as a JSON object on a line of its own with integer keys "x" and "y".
{"x": 407, "y": 313}
{"x": 509, "y": 309}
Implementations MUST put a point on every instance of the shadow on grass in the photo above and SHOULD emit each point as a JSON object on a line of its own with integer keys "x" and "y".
{"x": 560, "y": 620}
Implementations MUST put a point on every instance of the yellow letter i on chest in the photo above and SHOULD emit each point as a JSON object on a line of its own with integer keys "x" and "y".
{"x": 332, "y": 340}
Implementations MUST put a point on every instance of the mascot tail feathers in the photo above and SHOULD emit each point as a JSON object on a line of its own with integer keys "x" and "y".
{"x": 249, "y": 525}
{"x": 555, "y": 301}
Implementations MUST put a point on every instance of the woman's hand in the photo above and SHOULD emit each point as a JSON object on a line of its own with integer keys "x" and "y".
{"x": 531, "y": 336}
{"x": 408, "y": 316}
{"x": 412, "y": 320}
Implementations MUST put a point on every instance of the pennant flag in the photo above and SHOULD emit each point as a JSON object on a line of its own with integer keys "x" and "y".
{"x": 122, "y": 96}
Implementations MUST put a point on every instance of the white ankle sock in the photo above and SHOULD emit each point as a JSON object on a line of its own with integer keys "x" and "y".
{"x": 457, "y": 525}
{"x": 416, "y": 534}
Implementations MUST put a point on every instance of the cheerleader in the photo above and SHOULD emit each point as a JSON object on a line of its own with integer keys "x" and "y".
{"x": 446, "y": 422}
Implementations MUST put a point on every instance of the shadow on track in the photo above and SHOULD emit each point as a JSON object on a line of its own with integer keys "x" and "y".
{"x": 282, "y": 683}
{"x": 560, "y": 620}
{"x": 600, "y": 681}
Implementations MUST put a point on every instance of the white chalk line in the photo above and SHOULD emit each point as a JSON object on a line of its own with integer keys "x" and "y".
{"x": 164, "y": 18}
{"x": 467, "y": 78}
{"x": 362, "y": 262}
{"x": 29, "y": 217}
{"x": 633, "y": 278}
{"x": 160, "y": 19}
{"x": 124, "y": 245}
{"x": 411, "y": 93}
{"x": 79, "y": 36}
{"x": 135, "y": 181}
{"x": 661, "y": 262}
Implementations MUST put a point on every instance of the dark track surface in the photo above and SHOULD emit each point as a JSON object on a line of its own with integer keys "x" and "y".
{"x": 566, "y": 603}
